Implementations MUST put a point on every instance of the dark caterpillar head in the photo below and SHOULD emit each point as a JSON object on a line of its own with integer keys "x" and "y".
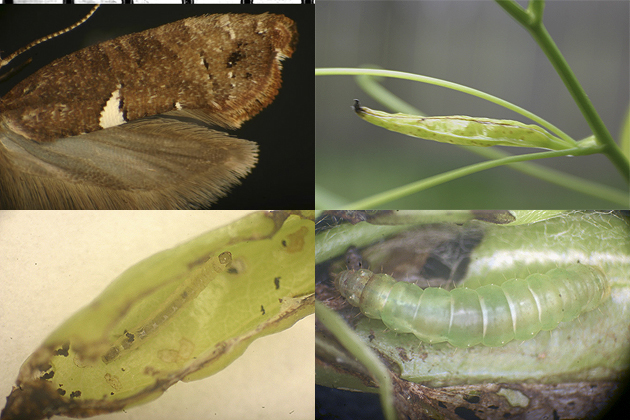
{"x": 354, "y": 261}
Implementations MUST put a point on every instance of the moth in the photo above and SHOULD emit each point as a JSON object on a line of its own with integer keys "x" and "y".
{"x": 139, "y": 121}
{"x": 463, "y": 130}
{"x": 491, "y": 315}
{"x": 211, "y": 288}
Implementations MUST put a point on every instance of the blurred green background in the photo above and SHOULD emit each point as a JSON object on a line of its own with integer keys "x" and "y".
{"x": 474, "y": 43}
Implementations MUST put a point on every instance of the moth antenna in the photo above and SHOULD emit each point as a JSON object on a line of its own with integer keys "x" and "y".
{"x": 6, "y": 61}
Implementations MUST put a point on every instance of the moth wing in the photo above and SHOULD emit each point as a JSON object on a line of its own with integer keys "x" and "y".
{"x": 169, "y": 161}
{"x": 200, "y": 116}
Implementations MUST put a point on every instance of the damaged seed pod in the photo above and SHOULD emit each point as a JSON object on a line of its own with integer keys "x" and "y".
{"x": 217, "y": 314}
{"x": 463, "y": 130}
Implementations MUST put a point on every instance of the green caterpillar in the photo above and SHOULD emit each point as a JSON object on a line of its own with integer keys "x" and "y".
{"x": 185, "y": 293}
{"x": 491, "y": 315}
{"x": 462, "y": 130}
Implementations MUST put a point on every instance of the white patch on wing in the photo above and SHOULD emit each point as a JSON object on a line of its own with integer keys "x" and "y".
{"x": 112, "y": 114}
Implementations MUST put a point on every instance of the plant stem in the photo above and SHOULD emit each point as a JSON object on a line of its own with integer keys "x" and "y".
{"x": 448, "y": 85}
{"x": 350, "y": 341}
{"x": 405, "y": 190}
{"x": 396, "y": 104}
{"x": 533, "y": 23}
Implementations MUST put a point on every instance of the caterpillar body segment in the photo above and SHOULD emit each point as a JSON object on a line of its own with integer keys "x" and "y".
{"x": 491, "y": 315}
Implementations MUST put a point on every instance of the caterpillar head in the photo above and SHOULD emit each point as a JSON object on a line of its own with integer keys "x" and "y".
{"x": 366, "y": 290}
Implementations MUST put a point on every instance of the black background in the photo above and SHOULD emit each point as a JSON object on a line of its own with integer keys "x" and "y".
{"x": 284, "y": 177}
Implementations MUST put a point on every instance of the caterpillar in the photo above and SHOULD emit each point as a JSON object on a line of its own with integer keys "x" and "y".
{"x": 491, "y": 315}
{"x": 463, "y": 130}
{"x": 185, "y": 293}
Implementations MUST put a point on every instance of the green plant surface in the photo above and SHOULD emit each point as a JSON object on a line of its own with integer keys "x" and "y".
{"x": 55, "y": 263}
{"x": 491, "y": 53}
{"x": 590, "y": 349}
{"x": 464, "y": 130}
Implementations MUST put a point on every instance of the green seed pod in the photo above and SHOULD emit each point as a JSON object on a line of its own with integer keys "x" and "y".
{"x": 462, "y": 130}
{"x": 214, "y": 312}
{"x": 491, "y": 315}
